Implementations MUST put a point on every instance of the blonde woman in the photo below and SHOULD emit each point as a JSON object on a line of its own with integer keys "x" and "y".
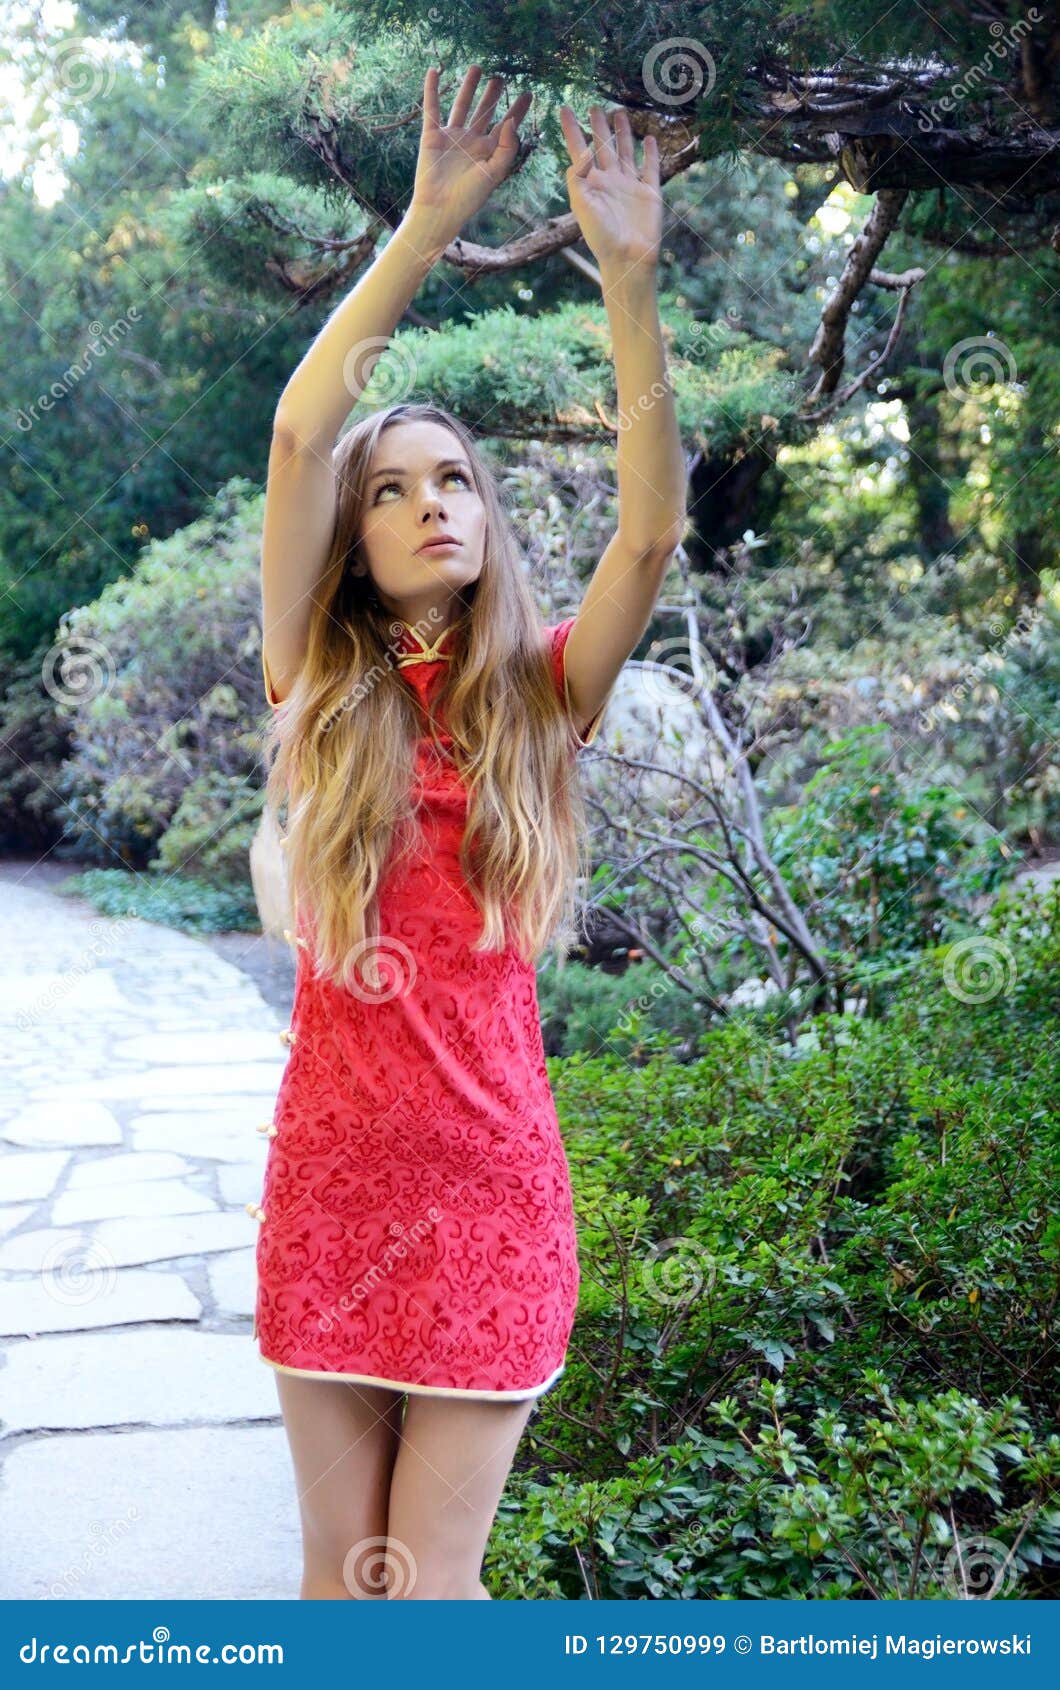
{"x": 417, "y": 1271}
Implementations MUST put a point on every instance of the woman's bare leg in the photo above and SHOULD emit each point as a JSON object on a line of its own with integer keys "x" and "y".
{"x": 343, "y": 1440}
{"x": 451, "y": 1468}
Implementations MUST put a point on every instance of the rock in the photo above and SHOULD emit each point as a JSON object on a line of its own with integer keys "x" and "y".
{"x": 67, "y": 1118}
{"x": 145, "y": 1377}
{"x": 149, "y": 1197}
{"x": 157, "y": 1515}
{"x": 63, "y": 1254}
{"x": 28, "y": 1306}
{"x": 31, "y": 1176}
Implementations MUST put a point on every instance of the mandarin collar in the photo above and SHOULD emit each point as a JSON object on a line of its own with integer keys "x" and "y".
{"x": 413, "y": 647}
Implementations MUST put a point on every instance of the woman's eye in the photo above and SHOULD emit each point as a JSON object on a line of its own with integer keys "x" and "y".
{"x": 448, "y": 476}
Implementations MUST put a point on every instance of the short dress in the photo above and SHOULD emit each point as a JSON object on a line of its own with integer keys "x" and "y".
{"x": 416, "y": 1227}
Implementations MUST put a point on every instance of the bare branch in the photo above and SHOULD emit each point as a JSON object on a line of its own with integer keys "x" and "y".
{"x": 828, "y": 349}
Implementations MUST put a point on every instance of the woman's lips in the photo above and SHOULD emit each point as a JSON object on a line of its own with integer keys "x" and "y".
{"x": 436, "y": 545}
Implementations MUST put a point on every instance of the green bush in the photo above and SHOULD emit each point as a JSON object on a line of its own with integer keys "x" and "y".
{"x": 881, "y": 866}
{"x": 195, "y": 906}
{"x": 871, "y": 1221}
{"x": 746, "y": 1508}
{"x": 178, "y": 709}
{"x": 33, "y": 743}
{"x": 589, "y": 1011}
{"x": 212, "y": 830}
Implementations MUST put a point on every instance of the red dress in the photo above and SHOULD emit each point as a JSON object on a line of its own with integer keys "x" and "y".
{"x": 416, "y": 1228}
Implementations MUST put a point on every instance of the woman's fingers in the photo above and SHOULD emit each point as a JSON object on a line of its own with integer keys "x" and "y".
{"x": 463, "y": 99}
{"x": 430, "y": 100}
{"x": 515, "y": 114}
{"x": 604, "y": 145}
{"x": 650, "y": 171}
{"x": 486, "y": 106}
{"x": 579, "y": 148}
{"x": 624, "y": 138}
{"x": 604, "y": 149}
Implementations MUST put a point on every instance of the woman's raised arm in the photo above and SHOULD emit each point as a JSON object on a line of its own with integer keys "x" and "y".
{"x": 457, "y": 169}
{"x": 619, "y": 211}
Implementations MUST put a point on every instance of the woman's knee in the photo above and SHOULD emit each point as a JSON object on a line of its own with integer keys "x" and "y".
{"x": 343, "y": 1443}
{"x": 438, "y": 1584}
{"x": 451, "y": 1467}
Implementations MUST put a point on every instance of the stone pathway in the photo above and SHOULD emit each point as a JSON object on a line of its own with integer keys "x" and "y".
{"x": 141, "y": 1448}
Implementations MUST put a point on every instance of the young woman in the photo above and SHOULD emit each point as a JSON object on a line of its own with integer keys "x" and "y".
{"x": 417, "y": 1273}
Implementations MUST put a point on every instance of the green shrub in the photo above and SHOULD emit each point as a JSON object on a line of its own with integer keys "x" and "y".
{"x": 871, "y": 1221}
{"x": 179, "y": 703}
{"x": 195, "y": 906}
{"x": 212, "y": 830}
{"x": 588, "y": 1010}
{"x": 33, "y": 743}
{"x": 881, "y": 867}
{"x": 748, "y": 1509}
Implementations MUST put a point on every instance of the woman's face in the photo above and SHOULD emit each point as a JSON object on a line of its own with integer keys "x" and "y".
{"x": 420, "y": 487}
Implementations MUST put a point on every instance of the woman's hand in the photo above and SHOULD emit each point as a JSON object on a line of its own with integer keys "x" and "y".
{"x": 459, "y": 166}
{"x": 619, "y": 209}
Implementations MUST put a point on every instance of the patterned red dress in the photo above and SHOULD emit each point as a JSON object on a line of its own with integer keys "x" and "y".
{"x": 416, "y": 1228}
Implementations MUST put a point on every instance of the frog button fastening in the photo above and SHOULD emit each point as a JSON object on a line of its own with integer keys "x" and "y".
{"x": 255, "y": 1211}
{"x": 286, "y": 1037}
{"x": 267, "y": 1127}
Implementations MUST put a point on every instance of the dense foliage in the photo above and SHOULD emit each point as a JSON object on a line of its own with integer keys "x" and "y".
{"x": 816, "y": 1341}
{"x": 805, "y": 1055}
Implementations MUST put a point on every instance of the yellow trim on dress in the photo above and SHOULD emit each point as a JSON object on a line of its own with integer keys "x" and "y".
{"x": 419, "y": 1390}
{"x": 433, "y": 654}
{"x": 429, "y": 653}
{"x": 274, "y": 703}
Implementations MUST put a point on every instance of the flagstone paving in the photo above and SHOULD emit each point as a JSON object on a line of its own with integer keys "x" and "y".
{"x": 141, "y": 1448}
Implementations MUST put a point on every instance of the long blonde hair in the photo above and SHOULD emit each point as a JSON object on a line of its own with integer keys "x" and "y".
{"x": 341, "y": 751}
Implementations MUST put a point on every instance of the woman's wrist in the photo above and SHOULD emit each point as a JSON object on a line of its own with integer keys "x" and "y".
{"x": 629, "y": 275}
{"x": 427, "y": 233}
